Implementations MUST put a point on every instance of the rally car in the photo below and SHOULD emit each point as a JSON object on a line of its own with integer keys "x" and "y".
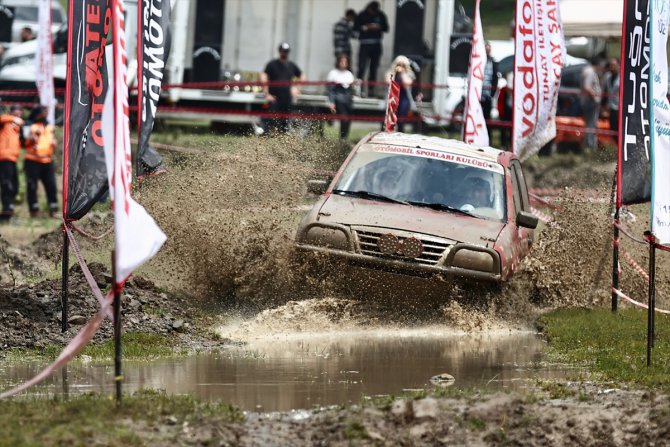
{"x": 424, "y": 206}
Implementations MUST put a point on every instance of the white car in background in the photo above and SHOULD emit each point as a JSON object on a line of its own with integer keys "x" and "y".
{"x": 25, "y": 15}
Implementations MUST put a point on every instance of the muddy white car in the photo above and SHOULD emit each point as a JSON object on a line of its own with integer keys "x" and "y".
{"x": 424, "y": 206}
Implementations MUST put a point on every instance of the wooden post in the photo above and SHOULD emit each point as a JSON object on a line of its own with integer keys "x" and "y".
{"x": 118, "y": 376}
{"x": 65, "y": 264}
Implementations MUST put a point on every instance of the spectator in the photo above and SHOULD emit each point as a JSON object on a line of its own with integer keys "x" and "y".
{"x": 402, "y": 73}
{"x": 489, "y": 86}
{"x": 611, "y": 83}
{"x": 342, "y": 33}
{"x": 27, "y": 34}
{"x": 370, "y": 25}
{"x": 280, "y": 95}
{"x": 591, "y": 92}
{"x": 39, "y": 165}
{"x": 10, "y": 147}
{"x": 340, "y": 95}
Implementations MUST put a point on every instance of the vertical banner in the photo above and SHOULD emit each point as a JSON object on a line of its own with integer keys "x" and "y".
{"x": 6, "y": 20}
{"x": 137, "y": 237}
{"x": 474, "y": 127}
{"x": 153, "y": 48}
{"x": 392, "y": 102}
{"x": 84, "y": 172}
{"x": 44, "y": 67}
{"x": 634, "y": 165}
{"x": 539, "y": 60}
{"x": 660, "y": 119}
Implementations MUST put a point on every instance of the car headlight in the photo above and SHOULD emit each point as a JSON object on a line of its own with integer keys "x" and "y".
{"x": 327, "y": 237}
{"x": 473, "y": 260}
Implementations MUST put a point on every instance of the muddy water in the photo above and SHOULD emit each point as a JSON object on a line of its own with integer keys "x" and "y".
{"x": 321, "y": 371}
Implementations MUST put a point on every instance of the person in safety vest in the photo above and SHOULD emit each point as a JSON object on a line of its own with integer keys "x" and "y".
{"x": 10, "y": 146}
{"x": 38, "y": 164}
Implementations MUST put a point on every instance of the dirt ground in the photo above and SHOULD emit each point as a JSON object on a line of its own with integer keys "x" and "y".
{"x": 230, "y": 210}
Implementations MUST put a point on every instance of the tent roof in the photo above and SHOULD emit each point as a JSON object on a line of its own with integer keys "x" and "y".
{"x": 592, "y": 18}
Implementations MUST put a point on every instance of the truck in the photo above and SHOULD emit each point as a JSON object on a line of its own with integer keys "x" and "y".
{"x": 219, "y": 48}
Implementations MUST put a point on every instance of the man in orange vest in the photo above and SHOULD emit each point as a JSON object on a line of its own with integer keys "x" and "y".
{"x": 38, "y": 164}
{"x": 10, "y": 146}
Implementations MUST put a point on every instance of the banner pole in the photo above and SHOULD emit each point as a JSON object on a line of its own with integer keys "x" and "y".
{"x": 615, "y": 261}
{"x": 65, "y": 267}
{"x": 118, "y": 376}
{"x": 652, "y": 298}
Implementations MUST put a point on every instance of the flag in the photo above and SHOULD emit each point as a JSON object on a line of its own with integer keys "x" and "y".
{"x": 6, "y": 20}
{"x": 474, "y": 127}
{"x": 634, "y": 164}
{"x": 660, "y": 121}
{"x": 137, "y": 236}
{"x": 84, "y": 172}
{"x": 538, "y": 62}
{"x": 44, "y": 67}
{"x": 153, "y": 48}
{"x": 392, "y": 102}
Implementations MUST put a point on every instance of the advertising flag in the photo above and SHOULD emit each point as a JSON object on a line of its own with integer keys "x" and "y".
{"x": 474, "y": 127}
{"x": 538, "y": 63}
{"x": 153, "y": 48}
{"x": 634, "y": 163}
{"x": 392, "y": 102}
{"x": 137, "y": 236}
{"x": 660, "y": 119}
{"x": 84, "y": 172}
{"x": 44, "y": 73}
{"x": 6, "y": 20}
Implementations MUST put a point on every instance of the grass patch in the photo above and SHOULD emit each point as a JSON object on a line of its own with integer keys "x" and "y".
{"x": 96, "y": 420}
{"x": 612, "y": 345}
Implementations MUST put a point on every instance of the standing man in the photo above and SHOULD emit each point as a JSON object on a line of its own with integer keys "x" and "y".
{"x": 280, "y": 95}
{"x": 591, "y": 96}
{"x": 370, "y": 24}
{"x": 612, "y": 91}
{"x": 10, "y": 146}
{"x": 38, "y": 164}
{"x": 342, "y": 33}
{"x": 489, "y": 86}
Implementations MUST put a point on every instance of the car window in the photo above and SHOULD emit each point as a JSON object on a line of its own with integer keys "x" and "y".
{"x": 25, "y": 13}
{"x": 521, "y": 184}
{"x": 427, "y": 180}
{"x": 516, "y": 197}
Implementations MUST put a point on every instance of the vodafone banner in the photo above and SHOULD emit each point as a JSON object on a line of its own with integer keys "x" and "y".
{"x": 539, "y": 60}
{"x": 474, "y": 129}
{"x": 660, "y": 143}
{"x": 44, "y": 74}
{"x": 137, "y": 237}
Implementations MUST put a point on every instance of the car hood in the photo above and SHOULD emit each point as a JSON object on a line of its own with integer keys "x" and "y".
{"x": 352, "y": 211}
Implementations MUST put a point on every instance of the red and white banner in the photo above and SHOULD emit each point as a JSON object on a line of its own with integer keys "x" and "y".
{"x": 660, "y": 120}
{"x": 44, "y": 74}
{"x": 539, "y": 60}
{"x": 474, "y": 129}
{"x": 392, "y": 102}
{"x": 137, "y": 236}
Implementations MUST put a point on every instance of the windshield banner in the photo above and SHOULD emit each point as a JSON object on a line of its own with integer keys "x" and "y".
{"x": 44, "y": 73}
{"x": 634, "y": 165}
{"x": 84, "y": 172}
{"x": 540, "y": 57}
{"x": 153, "y": 49}
{"x": 474, "y": 128}
{"x": 660, "y": 119}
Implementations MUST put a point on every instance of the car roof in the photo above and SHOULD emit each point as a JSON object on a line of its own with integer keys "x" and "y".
{"x": 437, "y": 144}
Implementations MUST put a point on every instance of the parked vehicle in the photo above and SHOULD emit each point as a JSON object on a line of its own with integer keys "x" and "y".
{"x": 24, "y": 14}
{"x": 424, "y": 206}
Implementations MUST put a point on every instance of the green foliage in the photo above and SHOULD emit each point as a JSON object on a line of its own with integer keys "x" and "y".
{"x": 355, "y": 430}
{"x": 612, "y": 345}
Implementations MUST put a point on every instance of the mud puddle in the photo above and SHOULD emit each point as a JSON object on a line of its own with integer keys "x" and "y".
{"x": 316, "y": 372}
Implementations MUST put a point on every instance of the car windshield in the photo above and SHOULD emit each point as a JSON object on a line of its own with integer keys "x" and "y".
{"x": 433, "y": 179}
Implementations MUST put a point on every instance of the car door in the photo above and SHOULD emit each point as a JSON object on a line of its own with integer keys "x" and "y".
{"x": 524, "y": 237}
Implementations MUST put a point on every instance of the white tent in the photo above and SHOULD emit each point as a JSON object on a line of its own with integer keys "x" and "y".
{"x": 593, "y": 18}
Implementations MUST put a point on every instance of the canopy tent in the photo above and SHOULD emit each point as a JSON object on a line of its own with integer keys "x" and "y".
{"x": 593, "y": 18}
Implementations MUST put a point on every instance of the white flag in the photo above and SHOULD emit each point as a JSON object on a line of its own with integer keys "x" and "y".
{"x": 137, "y": 236}
{"x": 538, "y": 62}
{"x": 474, "y": 127}
{"x": 660, "y": 118}
{"x": 44, "y": 73}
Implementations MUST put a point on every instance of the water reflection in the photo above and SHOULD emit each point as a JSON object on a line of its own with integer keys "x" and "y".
{"x": 291, "y": 374}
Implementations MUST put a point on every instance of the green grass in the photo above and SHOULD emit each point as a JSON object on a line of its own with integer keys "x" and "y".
{"x": 613, "y": 346}
{"x": 94, "y": 420}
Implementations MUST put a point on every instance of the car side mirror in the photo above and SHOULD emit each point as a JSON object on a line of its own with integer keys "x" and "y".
{"x": 526, "y": 220}
{"x": 317, "y": 187}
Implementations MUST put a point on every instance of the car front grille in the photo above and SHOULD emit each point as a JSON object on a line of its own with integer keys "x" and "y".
{"x": 432, "y": 250}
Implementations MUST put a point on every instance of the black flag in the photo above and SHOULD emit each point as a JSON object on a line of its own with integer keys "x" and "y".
{"x": 6, "y": 19}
